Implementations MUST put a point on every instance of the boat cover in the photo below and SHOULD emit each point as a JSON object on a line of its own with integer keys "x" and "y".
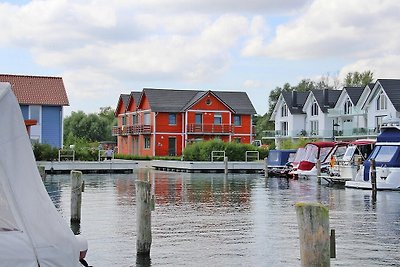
{"x": 389, "y": 135}
{"x": 32, "y": 231}
{"x": 278, "y": 158}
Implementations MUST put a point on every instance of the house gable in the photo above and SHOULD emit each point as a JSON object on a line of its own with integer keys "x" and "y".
{"x": 121, "y": 105}
{"x": 208, "y": 101}
{"x": 133, "y": 101}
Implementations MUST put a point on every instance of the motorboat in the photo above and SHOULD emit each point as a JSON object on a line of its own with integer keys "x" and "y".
{"x": 277, "y": 160}
{"x": 292, "y": 164}
{"x": 386, "y": 154}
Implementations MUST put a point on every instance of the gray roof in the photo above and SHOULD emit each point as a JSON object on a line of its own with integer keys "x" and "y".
{"x": 125, "y": 99}
{"x": 354, "y": 93}
{"x": 295, "y": 108}
{"x": 392, "y": 89}
{"x": 171, "y": 100}
{"x": 136, "y": 96}
{"x": 333, "y": 96}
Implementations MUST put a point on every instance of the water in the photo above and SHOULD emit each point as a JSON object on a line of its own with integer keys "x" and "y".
{"x": 238, "y": 220}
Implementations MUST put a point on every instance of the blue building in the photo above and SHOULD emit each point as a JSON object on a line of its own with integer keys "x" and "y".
{"x": 41, "y": 100}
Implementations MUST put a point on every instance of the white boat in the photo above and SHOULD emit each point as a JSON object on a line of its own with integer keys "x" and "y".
{"x": 32, "y": 232}
{"x": 386, "y": 154}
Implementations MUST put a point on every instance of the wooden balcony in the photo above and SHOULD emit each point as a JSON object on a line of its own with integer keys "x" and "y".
{"x": 217, "y": 129}
{"x": 135, "y": 129}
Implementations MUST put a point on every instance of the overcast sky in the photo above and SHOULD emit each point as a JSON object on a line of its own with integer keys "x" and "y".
{"x": 103, "y": 48}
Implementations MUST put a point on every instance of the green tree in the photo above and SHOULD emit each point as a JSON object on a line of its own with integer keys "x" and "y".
{"x": 358, "y": 78}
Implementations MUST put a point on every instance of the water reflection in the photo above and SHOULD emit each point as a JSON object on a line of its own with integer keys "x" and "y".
{"x": 227, "y": 220}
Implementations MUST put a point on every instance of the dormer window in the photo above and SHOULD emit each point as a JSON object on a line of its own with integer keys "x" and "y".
{"x": 314, "y": 108}
{"x": 381, "y": 101}
{"x": 284, "y": 110}
{"x": 348, "y": 106}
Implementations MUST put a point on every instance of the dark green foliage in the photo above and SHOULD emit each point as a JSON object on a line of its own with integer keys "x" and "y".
{"x": 135, "y": 157}
{"x": 45, "y": 152}
{"x": 359, "y": 78}
{"x": 201, "y": 151}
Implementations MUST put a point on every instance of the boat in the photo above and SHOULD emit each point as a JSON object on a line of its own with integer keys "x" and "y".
{"x": 386, "y": 155}
{"x": 277, "y": 160}
{"x": 292, "y": 164}
{"x": 33, "y": 233}
{"x": 321, "y": 150}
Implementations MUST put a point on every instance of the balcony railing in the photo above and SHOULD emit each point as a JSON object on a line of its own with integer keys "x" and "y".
{"x": 131, "y": 129}
{"x": 338, "y": 133}
{"x": 332, "y": 112}
{"x": 210, "y": 128}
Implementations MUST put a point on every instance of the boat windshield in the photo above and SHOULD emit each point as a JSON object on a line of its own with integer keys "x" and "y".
{"x": 311, "y": 153}
{"x": 384, "y": 153}
{"x": 348, "y": 155}
{"x": 300, "y": 154}
{"x": 324, "y": 151}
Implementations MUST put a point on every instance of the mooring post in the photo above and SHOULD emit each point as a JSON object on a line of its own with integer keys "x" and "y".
{"x": 333, "y": 244}
{"x": 318, "y": 167}
{"x": 226, "y": 170}
{"x": 143, "y": 218}
{"x": 313, "y": 221}
{"x": 266, "y": 167}
{"x": 76, "y": 195}
{"x": 42, "y": 172}
{"x": 373, "y": 179}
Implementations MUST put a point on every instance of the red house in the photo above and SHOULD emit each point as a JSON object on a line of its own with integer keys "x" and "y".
{"x": 162, "y": 122}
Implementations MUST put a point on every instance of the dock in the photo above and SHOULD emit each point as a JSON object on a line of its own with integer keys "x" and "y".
{"x": 107, "y": 166}
{"x": 335, "y": 179}
{"x": 208, "y": 166}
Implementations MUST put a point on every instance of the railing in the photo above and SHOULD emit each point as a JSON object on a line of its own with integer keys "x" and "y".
{"x": 210, "y": 128}
{"x": 131, "y": 129}
{"x": 341, "y": 112}
{"x": 338, "y": 133}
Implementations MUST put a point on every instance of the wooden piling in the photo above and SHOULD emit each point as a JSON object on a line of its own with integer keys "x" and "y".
{"x": 373, "y": 175}
{"x": 76, "y": 196}
{"x": 333, "y": 244}
{"x": 266, "y": 167}
{"x": 226, "y": 170}
{"x": 318, "y": 167}
{"x": 313, "y": 221}
{"x": 143, "y": 218}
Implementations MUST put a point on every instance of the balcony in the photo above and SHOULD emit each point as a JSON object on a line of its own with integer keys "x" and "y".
{"x": 218, "y": 129}
{"x": 131, "y": 129}
{"x": 333, "y": 113}
{"x": 351, "y": 133}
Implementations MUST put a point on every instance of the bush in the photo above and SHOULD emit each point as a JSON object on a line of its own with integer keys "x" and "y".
{"x": 201, "y": 151}
{"x": 45, "y": 152}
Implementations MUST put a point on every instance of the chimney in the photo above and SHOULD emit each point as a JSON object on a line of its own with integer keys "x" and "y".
{"x": 294, "y": 98}
{"x": 325, "y": 95}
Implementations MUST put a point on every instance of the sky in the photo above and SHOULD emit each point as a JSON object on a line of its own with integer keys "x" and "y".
{"x": 104, "y": 48}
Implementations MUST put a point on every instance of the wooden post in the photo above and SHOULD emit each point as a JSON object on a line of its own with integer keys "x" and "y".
{"x": 313, "y": 221}
{"x": 333, "y": 244}
{"x": 373, "y": 179}
{"x": 226, "y": 170}
{"x": 266, "y": 167}
{"x": 143, "y": 218}
{"x": 318, "y": 167}
{"x": 42, "y": 172}
{"x": 76, "y": 196}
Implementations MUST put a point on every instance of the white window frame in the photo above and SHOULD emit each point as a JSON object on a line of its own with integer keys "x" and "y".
{"x": 381, "y": 101}
{"x": 348, "y": 107}
{"x": 314, "y": 127}
{"x": 314, "y": 108}
{"x": 284, "y": 110}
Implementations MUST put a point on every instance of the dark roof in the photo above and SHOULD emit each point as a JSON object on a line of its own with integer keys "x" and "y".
{"x": 392, "y": 90}
{"x": 125, "y": 100}
{"x": 172, "y": 100}
{"x": 295, "y": 108}
{"x": 333, "y": 96}
{"x": 354, "y": 93}
{"x": 136, "y": 97}
{"x": 37, "y": 90}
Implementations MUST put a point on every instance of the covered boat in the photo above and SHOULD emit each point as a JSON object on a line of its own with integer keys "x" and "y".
{"x": 386, "y": 154}
{"x": 277, "y": 160}
{"x": 292, "y": 165}
{"x": 32, "y": 232}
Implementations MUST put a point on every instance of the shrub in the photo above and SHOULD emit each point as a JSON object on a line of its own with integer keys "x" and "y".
{"x": 45, "y": 152}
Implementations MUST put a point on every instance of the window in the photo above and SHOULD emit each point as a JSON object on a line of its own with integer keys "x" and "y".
{"x": 314, "y": 128}
{"x": 381, "y": 101}
{"x": 147, "y": 118}
{"x": 172, "y": 119}
{"x": 348, "y": 106}
{"x": 135, "y": 119}
{"x": 123, "y": 120}
{"x": 314, "y": 108}
{"x": 237, "y": 120}
{"x": 217, "y": 118}
{"x": 284, "y": 128}
{"x": 378, "y": 123}
{"x": 284, "y": 110}
{"x": 34, "y": 113}
{"x": 386, "y": 153}
{"x": 147, "y": 142}
{"x": 237, "y": 140}
{"x": 199, "y": 118}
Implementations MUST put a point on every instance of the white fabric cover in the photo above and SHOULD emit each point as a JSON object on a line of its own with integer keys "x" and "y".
{"x": 32, "y": 232}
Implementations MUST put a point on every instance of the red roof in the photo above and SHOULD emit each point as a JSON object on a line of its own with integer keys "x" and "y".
{"x": 37, "y": 90}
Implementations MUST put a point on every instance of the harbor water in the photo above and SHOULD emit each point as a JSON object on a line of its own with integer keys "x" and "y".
{"x": 234, "y": 220}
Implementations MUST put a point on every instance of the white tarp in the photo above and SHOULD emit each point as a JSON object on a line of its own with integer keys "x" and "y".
{"x": 32, "y": 232}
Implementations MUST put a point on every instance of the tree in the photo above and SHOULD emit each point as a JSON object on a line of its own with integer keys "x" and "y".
{"x": 358, "y": 78}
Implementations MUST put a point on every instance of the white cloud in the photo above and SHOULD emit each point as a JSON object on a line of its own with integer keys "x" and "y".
{"x": 252, "y": 84}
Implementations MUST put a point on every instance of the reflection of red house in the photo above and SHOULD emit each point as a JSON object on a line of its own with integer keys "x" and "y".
{"x": 161, "y": 122}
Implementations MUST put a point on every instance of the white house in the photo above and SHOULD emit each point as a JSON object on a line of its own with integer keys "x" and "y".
{"x": 383, "y": 103}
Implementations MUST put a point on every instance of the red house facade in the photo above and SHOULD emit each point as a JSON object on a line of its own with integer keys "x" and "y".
{"x": 162, "y": 122}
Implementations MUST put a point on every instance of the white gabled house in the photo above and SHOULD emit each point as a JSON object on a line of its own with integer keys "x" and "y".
{"x": 318, "y": 123}
{"x": 383, "y": 103}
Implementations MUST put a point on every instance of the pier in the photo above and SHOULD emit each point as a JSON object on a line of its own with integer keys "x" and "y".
{"x": 107, "y": 166}
{"x": 208, "y": 166}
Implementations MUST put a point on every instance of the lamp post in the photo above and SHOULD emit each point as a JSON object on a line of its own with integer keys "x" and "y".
{"x": 333, "y": 129}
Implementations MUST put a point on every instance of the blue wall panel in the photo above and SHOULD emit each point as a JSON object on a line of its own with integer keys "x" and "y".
{"x": 51, "y": 125}
{"x": 25, "y": 111}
